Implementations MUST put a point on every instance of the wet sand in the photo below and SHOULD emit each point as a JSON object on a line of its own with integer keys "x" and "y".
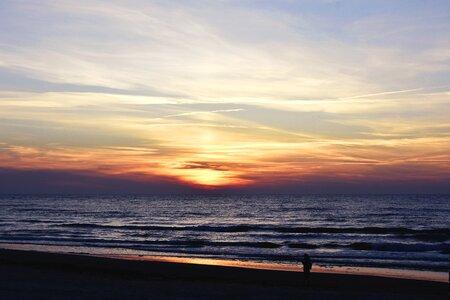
{"x": 39, "y": 275}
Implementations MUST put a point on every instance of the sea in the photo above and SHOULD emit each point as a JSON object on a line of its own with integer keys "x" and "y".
{"x": 410, "y": 232}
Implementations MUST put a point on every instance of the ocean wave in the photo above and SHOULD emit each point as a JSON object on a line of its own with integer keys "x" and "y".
{"x": 302, "y": 246}
{"x": 399, "y": 247}
{"x": 425, "y": 234}
{"x": 199, "y": 243}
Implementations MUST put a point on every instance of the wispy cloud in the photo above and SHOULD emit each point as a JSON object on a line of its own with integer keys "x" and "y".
{"x": 226, "y": 93}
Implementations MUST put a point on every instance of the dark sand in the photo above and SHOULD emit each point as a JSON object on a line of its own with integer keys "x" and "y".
{"x": 38, "y": 275}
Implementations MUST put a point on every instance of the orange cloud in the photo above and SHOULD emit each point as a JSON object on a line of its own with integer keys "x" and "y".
{"x": 426, "y": 159}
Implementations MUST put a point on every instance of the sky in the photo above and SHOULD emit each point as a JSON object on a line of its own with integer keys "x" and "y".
{"x": 227, "y": 96}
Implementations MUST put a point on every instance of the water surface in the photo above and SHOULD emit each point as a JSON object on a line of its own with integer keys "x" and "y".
{"x": 390, "y": 231}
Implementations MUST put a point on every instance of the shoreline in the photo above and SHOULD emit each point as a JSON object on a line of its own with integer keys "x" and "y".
{"x": 99, "y": 274}
{"x": 357, "y": 271}
{"x": 369, "y": 271}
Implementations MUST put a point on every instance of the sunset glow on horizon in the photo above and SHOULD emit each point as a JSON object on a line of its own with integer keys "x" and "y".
{"x": 228, "y": 94}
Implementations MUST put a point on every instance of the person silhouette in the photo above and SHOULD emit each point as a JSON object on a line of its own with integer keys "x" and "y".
{"x": 307, "y": 265}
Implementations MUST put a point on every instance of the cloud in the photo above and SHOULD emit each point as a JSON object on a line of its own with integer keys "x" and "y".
{"x": 76, "y": 182}
{"x": 226, "y": 93}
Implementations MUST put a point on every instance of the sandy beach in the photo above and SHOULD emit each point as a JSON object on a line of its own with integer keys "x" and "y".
{"x": 39, "y": 275}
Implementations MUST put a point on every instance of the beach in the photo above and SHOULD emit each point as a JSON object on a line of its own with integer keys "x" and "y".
{"x": 43, "y": 275}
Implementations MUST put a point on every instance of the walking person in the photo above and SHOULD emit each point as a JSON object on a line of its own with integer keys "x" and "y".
{"x": 307, "y": 265}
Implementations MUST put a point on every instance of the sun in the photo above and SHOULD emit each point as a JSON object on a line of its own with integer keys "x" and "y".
{"x": 211, "y": 178}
